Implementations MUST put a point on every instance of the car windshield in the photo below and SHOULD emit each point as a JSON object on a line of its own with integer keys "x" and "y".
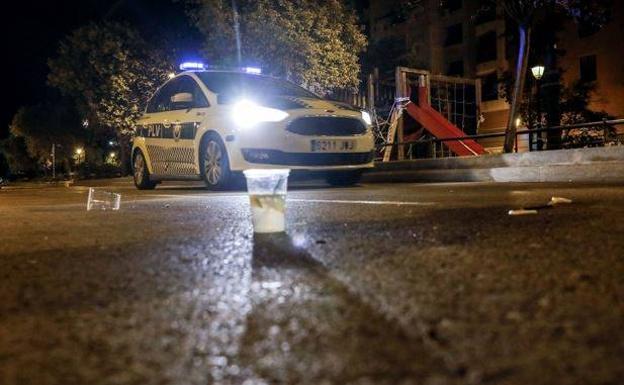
{"x": 232, "y": 84}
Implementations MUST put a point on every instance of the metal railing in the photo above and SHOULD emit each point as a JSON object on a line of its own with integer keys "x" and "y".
{"x": 605, "y": 125}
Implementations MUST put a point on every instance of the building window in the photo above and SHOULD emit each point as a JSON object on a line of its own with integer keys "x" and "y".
{"x": 486, "y": 47}
{"x": 589, "y": 71}
{"x": 452, "y": 5}
{"x": 454, "y": 35}
{"x": 489, "y": 87}
{"x": 456, "y": 68}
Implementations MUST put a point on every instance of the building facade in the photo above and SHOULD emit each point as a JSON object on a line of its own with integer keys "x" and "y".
{"x": 597, "y": 56}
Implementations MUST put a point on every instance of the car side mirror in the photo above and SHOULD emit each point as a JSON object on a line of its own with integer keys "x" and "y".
{"x": 182, "y": 100}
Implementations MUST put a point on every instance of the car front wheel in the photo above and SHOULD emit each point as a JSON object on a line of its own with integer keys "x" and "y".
{"x": 141, "y": 173}
{"x": 214, "y": 164}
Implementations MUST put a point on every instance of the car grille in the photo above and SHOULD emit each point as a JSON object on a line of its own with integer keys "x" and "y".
{"x": 277, "y": 157}
{"x": 327, "y": 126}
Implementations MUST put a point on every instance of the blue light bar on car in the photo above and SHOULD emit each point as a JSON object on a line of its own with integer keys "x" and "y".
{"x": 192, "y": 66}
{"x": 253, "y": 70}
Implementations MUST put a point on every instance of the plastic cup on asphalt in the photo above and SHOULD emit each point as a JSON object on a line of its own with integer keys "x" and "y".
{"x": 267, "y": 198}
{"x": 102, "y": 200}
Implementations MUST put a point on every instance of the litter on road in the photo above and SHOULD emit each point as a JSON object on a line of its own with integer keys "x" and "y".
{"x": 522, "y": 212}
{"x": 103, "y": 200}
{"x": 532, "y": 210}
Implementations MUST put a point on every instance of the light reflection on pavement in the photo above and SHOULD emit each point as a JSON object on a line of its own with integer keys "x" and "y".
{"x": 379, "y": 284}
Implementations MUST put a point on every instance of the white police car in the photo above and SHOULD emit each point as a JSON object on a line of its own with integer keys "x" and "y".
{"x": 209, "y": 125}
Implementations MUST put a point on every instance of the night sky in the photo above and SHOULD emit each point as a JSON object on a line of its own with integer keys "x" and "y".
{"x": 34, "y": 28}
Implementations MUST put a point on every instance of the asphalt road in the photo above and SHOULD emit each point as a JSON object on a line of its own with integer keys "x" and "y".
{"x": 377, "y": 284}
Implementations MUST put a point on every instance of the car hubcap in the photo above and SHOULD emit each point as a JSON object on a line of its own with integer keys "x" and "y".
{"x": 212, "y": 163}
{"x": 139, "y": 166}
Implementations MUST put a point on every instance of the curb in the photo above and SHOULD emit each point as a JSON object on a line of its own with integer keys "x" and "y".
{"x": 595, "y": 165}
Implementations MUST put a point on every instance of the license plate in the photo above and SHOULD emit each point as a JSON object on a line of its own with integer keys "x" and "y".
{"x": 324, "y": 145}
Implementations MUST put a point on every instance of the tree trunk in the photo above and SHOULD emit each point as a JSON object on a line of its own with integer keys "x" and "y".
{"x": 521, "y": 70}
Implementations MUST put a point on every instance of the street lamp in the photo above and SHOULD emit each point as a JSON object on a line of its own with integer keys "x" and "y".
{"x": 111, "y": 158}
{"x": 79, "y": 152}
{"x": 538, "y": 73}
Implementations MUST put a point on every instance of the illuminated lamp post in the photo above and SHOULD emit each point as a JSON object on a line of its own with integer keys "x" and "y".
{"x": 538, "y": 73}
{"x": 79, "y": 155}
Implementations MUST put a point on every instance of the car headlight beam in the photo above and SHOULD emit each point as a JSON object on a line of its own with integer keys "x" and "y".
{"x": 367, "y": 118}
{"x": 247, "y": 114}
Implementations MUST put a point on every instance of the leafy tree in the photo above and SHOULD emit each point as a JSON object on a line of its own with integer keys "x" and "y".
{"x": 16, "y": 154}
{"x": 4, "y": 167}
{"x": 314, "y": 43}
{"x": 36, "y": 128}
{"x": 573, "y": 104}
{"x": 527, "y": 13}
{"x": 110, "y": 72}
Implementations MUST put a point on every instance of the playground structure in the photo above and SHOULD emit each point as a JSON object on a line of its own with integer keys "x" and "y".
{"x": 417, "y": 105}
{"x": 420, "y": 115}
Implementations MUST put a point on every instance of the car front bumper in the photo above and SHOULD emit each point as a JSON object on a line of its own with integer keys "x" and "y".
{"x": 307, "y": 159}
{"x": 279, "y": 148}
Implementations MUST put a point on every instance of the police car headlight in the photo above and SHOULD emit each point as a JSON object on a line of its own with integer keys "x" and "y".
{"x": 367, "y": 118}
{"x": 246, "y": 114}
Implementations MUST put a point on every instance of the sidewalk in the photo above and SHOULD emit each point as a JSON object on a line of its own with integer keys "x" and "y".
{"x": 602, "y": 165}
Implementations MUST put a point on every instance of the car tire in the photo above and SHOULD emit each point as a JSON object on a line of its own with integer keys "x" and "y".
{"x": 214, "y": 164}
{"x": 344, "y": 178}
{"x": 140, "y": 172}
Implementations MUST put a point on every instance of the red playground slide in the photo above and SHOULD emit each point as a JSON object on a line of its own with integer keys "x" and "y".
{"x": 441, "y": 128}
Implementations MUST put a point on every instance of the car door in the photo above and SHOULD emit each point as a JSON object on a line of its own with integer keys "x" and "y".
{"x": 188, "y": 105}
{"x": 158, "y": 115}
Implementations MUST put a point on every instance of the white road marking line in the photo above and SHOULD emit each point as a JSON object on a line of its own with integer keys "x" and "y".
{"x": 337, "y": 201}
{"x": 171, "y": 196}
{"x": 392, "y": 203}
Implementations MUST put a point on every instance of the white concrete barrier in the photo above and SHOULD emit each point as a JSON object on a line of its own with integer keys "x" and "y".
{"x": 603, "y": 164}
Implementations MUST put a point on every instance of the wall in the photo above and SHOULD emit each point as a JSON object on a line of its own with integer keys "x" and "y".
{"x": 607, "y": 45}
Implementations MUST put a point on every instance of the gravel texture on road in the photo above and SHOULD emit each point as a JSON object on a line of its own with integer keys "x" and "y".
{"x": 379, "y": 284}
